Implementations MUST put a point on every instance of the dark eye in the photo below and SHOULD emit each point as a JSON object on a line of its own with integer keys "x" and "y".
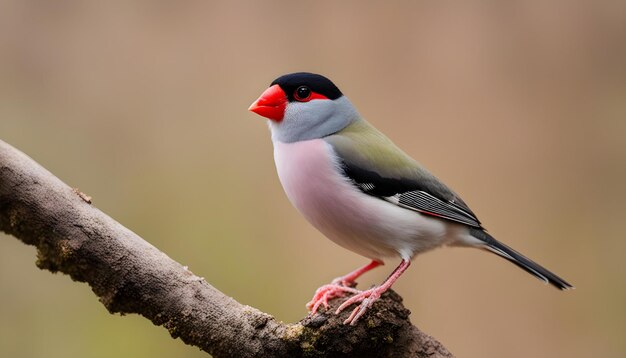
{"x": 302, "y": 94}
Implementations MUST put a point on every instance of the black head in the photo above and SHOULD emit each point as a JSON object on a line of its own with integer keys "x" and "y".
{"x": 298, "y": 83}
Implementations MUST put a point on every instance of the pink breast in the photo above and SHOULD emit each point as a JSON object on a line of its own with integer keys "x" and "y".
{"x": 311, "y": 178}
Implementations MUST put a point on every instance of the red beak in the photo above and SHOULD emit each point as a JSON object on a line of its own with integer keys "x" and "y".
{"x": 271, "y": 104}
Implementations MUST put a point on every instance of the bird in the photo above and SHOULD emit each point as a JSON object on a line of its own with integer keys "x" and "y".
{"x": 361, "y": 191}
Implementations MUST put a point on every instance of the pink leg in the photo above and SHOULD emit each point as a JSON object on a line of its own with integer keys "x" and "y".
{"x": 368, "y": 297}
{"x": 338, "y": 287}
{"x": 349, "y": 279}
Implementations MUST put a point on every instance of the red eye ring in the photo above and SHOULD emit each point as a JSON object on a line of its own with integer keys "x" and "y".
{"x": 302, "y": 94}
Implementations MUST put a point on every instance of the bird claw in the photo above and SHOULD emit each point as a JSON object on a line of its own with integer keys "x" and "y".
{"x": 328, "y": 292}
{"x": 367, "y": 299}
{"x": 342, "y": 285}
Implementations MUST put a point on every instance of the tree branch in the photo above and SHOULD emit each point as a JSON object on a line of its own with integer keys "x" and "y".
{"x": 131, "y": 276}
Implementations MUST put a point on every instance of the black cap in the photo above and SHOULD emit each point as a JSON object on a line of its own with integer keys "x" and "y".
{"x": 317, "y": 83}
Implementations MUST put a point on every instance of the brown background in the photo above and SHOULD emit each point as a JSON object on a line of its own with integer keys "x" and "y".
{"x": 519, "y": 106}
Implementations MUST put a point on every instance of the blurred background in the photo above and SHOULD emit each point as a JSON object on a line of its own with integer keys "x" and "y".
{"x": 518, "y": 106}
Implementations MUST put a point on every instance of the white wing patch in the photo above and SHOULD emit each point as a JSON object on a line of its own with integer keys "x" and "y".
{"x": 367, "y": 186}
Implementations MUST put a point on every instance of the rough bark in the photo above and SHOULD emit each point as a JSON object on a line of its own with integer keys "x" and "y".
{"x": 129, "y": 275}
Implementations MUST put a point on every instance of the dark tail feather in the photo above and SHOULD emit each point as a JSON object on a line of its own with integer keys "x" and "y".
{"x": 520, "y": 260}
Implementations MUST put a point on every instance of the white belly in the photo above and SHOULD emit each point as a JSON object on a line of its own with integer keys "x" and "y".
{"x": 361, "y": 223}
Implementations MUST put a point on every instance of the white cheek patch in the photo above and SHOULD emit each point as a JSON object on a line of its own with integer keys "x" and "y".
{"x": 314, "y": 119}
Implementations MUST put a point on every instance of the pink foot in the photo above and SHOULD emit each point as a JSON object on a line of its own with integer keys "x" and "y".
{"x": 322, "y": 295}
{"x": 338, "y": 287}
{"x": 367, "y": 299}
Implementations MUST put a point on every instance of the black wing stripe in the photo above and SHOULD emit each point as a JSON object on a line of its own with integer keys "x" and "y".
{"x": 422, "y": 201}
{"x": 436, "y": 202}
{"x": 428, "y": 197}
